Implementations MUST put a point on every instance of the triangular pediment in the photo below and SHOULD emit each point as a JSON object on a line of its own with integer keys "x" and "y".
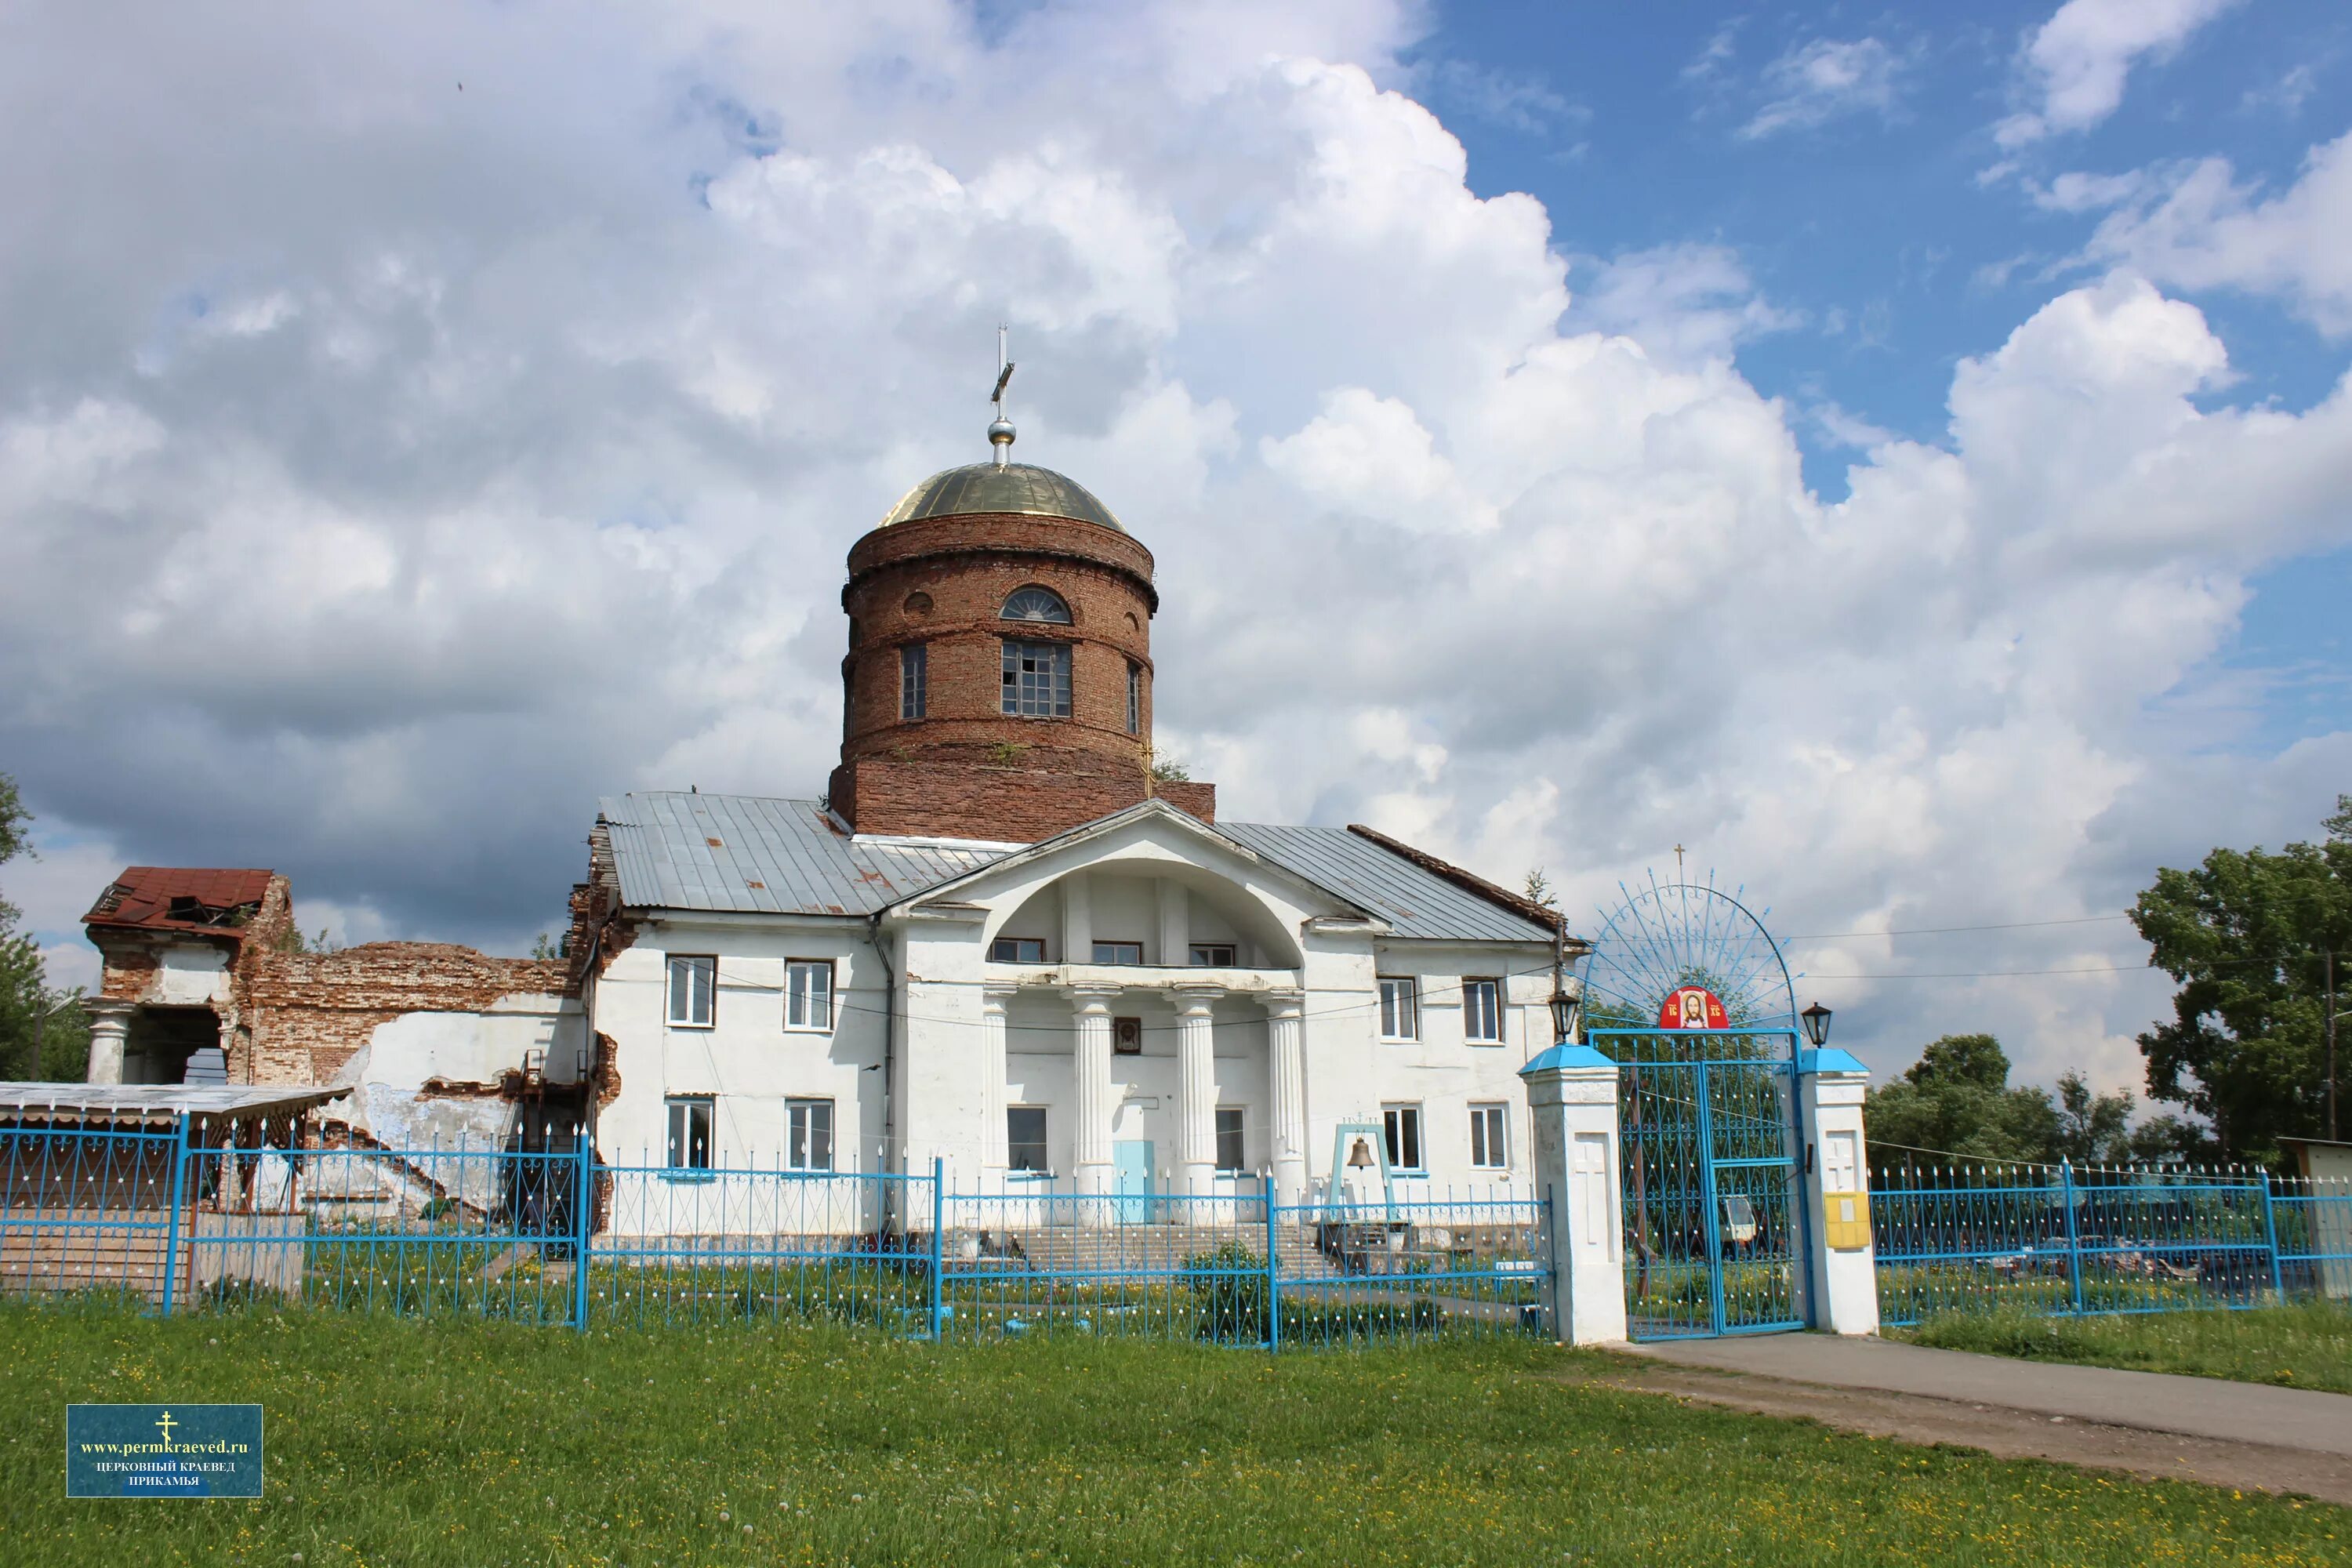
{"x": 1136, "y": 840}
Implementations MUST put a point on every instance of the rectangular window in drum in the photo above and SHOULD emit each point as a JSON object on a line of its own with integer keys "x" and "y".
{"x": 1037, "y": 680}
{"x": 914, "y": 680}
{"x": 1134, "y": 698}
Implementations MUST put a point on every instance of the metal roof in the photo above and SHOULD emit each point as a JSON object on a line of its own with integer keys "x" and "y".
{"x": 1418, "y": 903}
{"x": 161, "y": 1101}
{"x": 180, "y": 898}
{"x": 757, "y": 855}
{"x": 1011, "y": 487}
{"x": 751, "y": 854}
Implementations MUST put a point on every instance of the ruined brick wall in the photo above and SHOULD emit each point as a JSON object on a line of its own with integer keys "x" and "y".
{"x": 310, "y": 1012}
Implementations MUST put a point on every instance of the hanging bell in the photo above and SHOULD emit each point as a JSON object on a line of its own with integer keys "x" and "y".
{"x": 1360, "y": 1156}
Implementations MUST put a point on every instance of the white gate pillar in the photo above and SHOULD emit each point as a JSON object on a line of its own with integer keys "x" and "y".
{"x": 1843, "y": 1271}
{"x": 1572, "y": 1094}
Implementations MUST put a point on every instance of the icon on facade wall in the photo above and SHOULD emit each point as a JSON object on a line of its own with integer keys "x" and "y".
{"x": 1126, "y": 1037}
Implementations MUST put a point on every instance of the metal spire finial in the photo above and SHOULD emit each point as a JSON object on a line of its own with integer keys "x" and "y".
{"x": 1000, "y": 429}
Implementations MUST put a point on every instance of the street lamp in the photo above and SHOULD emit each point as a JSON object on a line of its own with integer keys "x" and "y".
{"x": 1816, "y": 1019}
{"x": 1564, "y": 1006}
{"x": 41, "y": 1031}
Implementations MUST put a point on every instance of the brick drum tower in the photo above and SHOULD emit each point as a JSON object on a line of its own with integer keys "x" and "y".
{"x": 999, "y": 680}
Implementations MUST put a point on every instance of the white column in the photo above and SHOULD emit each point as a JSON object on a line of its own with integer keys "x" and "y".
{"x": 1196, "y": 1083}
{"x": 1091, "y": 1143}
{"x": 110, "y": 1022}
{"x": 1842, "y": 1278}
{"x": 994, "y": 1157}
{"x": 1078, "y": 919}
{"x": 1175, "y": 921}
{"x": 1572, "y": 1096}
{"x": 1285, "y": 1076}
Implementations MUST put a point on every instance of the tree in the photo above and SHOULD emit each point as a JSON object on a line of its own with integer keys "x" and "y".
{"x": 1955, "y": 1101}
{"x": 1538, "y": 888}
{"x": 2092, "y": 1128}
{"x": 2247, "y": 936}
{"x": 28, "y": 1006}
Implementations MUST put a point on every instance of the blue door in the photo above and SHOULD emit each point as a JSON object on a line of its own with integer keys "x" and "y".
{"x": 1130, "y": 1164}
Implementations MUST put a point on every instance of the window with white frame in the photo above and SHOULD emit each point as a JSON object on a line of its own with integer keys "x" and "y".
{"x": 1017, "y": 950}
{"x": 808, "y": 1138}
{"x": 1118, "y": 952}
{"x": 1025, "y": 1139}
{"x": 1482, "y": 1012}
{"x": 1212, "y": 955}
{"x": 692, "y": 985}
{"x": 1399, "y": 1008}
{"x": 1402, "y": 1125}
{"x": 808, "y": 993}
{"x": 1488, "y": 1148}
{"x": 914, "y": 680}
{"x": 689, "y": 1132}
{"x": 1230, "y": 1146}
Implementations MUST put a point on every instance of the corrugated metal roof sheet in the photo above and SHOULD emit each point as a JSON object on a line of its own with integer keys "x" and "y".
{"x": 1418, "y": 903}
{"x": 753, "y": 853}
{"x": 160, "y": 1102}
{"x": 178, "y": 898}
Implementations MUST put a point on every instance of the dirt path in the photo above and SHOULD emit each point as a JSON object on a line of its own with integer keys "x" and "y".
{"x": 2002, "y": 1430}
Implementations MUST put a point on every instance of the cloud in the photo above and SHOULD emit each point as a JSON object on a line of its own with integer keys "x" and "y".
{"x": 1680, "y": 302}
{"x": 1515, "y": 100}
{"x": 1826, "y": 80}
{"x": 553, "y": 407}
{"x": 2195, "y": 225}
{"x": 2076, "y": 63}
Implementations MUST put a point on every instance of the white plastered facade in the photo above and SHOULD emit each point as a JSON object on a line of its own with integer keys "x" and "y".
{"x": 933, "y": 1044}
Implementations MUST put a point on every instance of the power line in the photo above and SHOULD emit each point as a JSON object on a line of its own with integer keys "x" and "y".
{"x": 1986, "y": 973}
{"x": 1945, "y": 930}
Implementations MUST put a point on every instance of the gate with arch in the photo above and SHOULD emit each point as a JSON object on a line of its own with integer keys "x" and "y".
{"x": 1687, "y": 993}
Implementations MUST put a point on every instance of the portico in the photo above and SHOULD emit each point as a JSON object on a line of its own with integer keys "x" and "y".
{"x": 1151, "y": 1055}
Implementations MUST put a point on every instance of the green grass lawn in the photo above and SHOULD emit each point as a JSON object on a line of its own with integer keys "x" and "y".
{"x": 2306, "y": 1345}
{"x": 398, "y": 1443}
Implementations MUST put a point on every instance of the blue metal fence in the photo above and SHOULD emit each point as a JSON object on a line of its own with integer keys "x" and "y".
{"x": 2068, "y": 1240}
{"x": 554, "y": 1236}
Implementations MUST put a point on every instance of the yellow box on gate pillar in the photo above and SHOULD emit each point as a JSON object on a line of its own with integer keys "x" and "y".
{"x": 1845, "y": 1220}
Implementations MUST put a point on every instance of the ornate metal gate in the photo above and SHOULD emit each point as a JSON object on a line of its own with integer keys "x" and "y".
{"x": 1687, "y": 992}
{"x": 1711, "y": 1195}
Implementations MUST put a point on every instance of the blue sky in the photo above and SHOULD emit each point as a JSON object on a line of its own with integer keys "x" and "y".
{"x": 1870, "y": 220}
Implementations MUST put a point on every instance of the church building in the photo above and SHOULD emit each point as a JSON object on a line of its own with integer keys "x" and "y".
{"x": 1005, "y": 941}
